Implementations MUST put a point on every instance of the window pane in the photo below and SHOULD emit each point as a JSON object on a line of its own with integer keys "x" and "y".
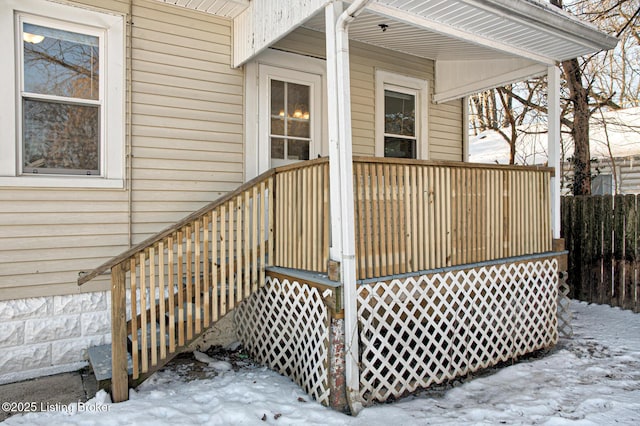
{"x": 277, "y": 148}
{"x": 399, "y": 148}
{"x": 602, "y": 185}
{"x": 399, "y": 113}
{"x": 60, "y": 63}
{"x": 60, "y": 138}
{"x": 298, "y": 150}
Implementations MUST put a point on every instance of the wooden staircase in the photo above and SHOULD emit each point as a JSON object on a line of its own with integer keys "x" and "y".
{"x": 100, "y": 357}
{"x": 168, "y": 290}
{"x": 172, "y": 287}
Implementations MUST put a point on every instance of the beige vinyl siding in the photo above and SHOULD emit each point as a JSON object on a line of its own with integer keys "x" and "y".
{"x": 187, "y": 145}
{"x": 48, "y": 235}
{"x": 187, "y": 115}
{"x": 445, "y": 120}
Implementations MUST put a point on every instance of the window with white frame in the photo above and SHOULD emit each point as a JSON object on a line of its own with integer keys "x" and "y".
{"x": 401, "y": 116}
{"x": 400, "y": 123}
{"x": 69, "y": 91}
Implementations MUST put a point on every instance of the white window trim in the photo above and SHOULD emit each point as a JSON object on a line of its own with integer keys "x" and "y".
{"x": 270, "y": 63}
{"x": 393, "y": 81}
{"x": 113, "y": 127}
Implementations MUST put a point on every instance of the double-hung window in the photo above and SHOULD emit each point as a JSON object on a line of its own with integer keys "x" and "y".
{"x": 61, "y": 99}
{"x": 399, "y": 123}
{"x": 401, "y": 116}
{"x": 68, "y": 69}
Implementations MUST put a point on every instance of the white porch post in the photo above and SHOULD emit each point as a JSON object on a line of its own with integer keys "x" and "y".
{"x": 341, "y": 181}
{"x": 332, "y": 12}
{"x": 553, "y": 99}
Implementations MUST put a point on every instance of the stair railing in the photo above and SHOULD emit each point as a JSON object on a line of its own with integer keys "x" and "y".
{"x": 177, "y": 283}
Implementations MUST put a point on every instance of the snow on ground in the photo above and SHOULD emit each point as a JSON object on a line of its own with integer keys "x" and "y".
{"x": 591, "y": 379}
{"x": 619, "y": 138}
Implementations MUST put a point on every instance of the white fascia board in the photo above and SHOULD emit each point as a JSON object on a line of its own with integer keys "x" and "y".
{"x": 438, "y": 27}
{"x": 550, "y": 19}
{"x": 265, "y": 22}
{"x": 458, "y": 78}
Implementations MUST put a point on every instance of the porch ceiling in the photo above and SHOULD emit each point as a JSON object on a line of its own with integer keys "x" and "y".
{"x": 474, "y": 30}
{"x": 224, "y": 8}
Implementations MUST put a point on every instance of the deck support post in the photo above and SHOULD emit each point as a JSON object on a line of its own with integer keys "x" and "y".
{"x": 119, "y": 371}
{"x": 553, "y": 99}
{"x": 338, "y": 397}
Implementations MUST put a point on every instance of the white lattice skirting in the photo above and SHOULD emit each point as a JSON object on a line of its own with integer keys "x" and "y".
{"x": 421, "y": 331}
{"x": 285, "y": 325}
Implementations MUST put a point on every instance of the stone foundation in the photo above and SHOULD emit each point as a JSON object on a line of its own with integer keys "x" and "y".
{"x": 48, "y": 335}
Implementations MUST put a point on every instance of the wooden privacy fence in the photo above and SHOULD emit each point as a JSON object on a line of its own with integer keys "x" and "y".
{"x": 416, "y": 215}
{"x": 601, "y": 233}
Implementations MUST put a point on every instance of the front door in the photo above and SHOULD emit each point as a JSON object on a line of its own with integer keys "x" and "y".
{"x": 290, "y": 114}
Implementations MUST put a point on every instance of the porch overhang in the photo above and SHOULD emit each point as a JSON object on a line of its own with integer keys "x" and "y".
{"x": 476, "y": 44}
{"x": 222, "y": 8}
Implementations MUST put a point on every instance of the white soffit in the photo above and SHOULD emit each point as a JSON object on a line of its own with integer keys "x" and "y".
{"x": 223, "y": 8}
{"x": 475, "y": 29}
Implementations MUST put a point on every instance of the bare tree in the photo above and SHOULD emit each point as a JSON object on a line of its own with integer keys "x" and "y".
{"x": 609, "y": 80}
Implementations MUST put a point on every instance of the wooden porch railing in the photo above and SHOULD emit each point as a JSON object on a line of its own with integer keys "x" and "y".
{"x": 416, "y": 215}
{"x": 302, "y": 216}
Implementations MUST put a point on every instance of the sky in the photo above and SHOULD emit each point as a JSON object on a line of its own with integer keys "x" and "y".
{"x": 592, "y": 378}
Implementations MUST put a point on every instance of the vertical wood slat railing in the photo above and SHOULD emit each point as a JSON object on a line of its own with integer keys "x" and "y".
{"x": 185, "y": 278}
{"x": 302, "y": 216}
{"x": 416, "y": 215}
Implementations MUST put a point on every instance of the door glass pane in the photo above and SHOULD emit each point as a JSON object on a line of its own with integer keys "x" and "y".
{"x": 298, "y": 113}
{"x": 399, "y": 113}
{"x": 299, "y": 128}
{"x": 297, "y": 150}
{"x": 399, "y": 147}
{"x": 60, "y": 63}
{"x": 277, "y": 98}
{"x": 290, "y": 121}
{"x": 60, "y": 138}
{"x": 277, "y": 148}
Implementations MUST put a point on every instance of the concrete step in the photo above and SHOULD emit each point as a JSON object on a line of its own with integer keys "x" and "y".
{"x": 100, "y": 360}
